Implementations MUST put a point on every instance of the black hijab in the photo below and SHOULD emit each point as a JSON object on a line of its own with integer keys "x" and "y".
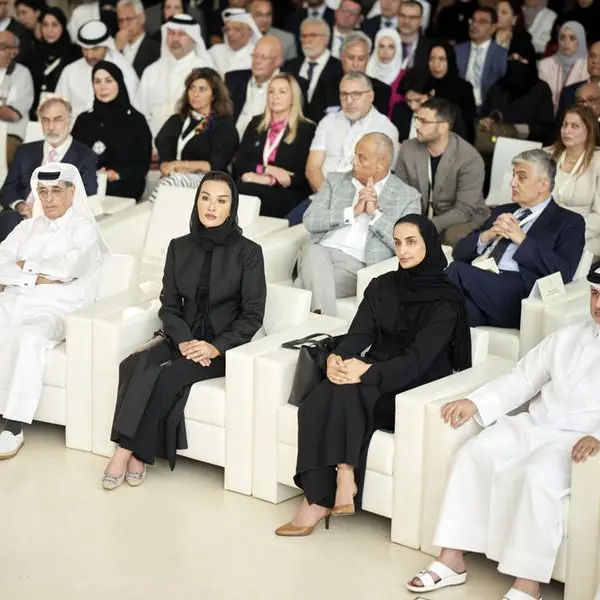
{"x": 119, "y": 107}
{"x": 427, "y": 284}
{"x": 520, "y": 78}
{"x": 108, "y": 15}
{"x": 446, "y": 86}
{"x": 63, "y": 44}
{"x": 223, "y": 235}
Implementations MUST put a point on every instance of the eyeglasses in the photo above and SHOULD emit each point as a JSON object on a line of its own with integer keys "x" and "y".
{"x": 590, "y": 100}
{"x": 311, "y": 36}
{"x": 7, "y": 47}
{"x": 261, "y": 57}
{"x": 425, "y": 121}
{"x": 353, "y": 95}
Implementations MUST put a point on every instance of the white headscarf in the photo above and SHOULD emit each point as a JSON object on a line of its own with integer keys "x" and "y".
{"x": 382, "y": 71}
{"x": 240, "y": 15}
{"x": 93, "y": 34}
{"x": 65, "y": 172}
{"x": 189, "y": 25}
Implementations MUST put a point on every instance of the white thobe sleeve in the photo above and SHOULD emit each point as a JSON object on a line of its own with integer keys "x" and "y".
{"x": 506, "y": 393}
{"x": 82, "y": 257}
{"x": 62, "y": 87}
{"x": 20, "y": 94}
{"x": 10, "y": 272}
{"x": 143, "y": 103}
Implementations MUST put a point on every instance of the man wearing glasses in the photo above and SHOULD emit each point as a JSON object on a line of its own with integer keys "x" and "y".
{"x": 347, "y": 18}
{"x": 568, "y": 95}
{"x": 313, "y": 9}
{"x": 262, "y": 13}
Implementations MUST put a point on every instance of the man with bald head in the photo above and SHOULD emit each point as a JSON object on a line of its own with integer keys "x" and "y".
{"x": 350, "y": 222}
{"x": 262, "y": 13}
{"x": 16, "y": 93}
{"x": 567, "y": 96}
{"x": 589, "y": 95}
{"x": 248, "y": 88}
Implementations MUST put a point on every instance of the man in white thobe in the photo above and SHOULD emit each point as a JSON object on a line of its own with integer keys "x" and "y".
{"x": 241, "y": 34}
{"x": 163, "y": 82}
{"x": 49, "y": 267}
{"x": 505, "y": 492}
{"x": 75, "y": 82}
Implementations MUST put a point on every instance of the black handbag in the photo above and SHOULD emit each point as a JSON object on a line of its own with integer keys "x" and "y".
{"x": 311, "y": 365}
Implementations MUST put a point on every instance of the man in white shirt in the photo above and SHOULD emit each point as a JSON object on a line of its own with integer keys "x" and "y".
{"x": 16, "y": 94}
{"x": 241, "y": 35}
{"x": 506, "y": 491}
{"x": 75, "y": 82}
{"x": 163, "y": 82}
{"x": 49, "y": 267}
{"x": 332, "y": 149}
{"x": 56, "y": 118}
{"x": 262, "y": 13}
{"x": 350, "y": 222}
{"x": 139, "y": 49}
{"x": 347, "y": 18}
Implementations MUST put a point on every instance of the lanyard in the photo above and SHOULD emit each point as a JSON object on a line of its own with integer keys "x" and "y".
{"x": 51, "y": 67}
{"x": 270, "y": 147}
{"x": 566, "y": 177}
{"x": 182, "y": 141}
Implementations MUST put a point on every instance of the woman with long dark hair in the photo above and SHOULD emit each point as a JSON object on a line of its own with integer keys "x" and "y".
{"x": 213, "y": 299}
{"x": 411, "y": 328}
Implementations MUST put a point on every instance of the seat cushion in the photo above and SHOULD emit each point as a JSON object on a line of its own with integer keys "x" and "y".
{"x": 56, "y": 366}
{"x": 206, "y": 402}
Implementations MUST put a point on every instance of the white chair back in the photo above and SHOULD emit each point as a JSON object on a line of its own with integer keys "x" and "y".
{"x": 364, "y": 276}
{"x": 248, "y": 210}
{"x": 585, "y": 264}
{"x": 480, "y": 342}
{"x": 34, "y": 132}
{"x": 286, "y": 307}
{"x": 116, "y": 275}
{"x": 3, "y": 163}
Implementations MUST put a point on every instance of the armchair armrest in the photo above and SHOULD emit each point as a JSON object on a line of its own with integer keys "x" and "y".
{"x": 261, "y": 227}
{"x": 565, "y": 314}
{"x": 411, "y": 440}
{"x": 281, "y": 250}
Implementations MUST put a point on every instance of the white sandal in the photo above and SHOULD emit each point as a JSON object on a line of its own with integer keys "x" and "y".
{"x": 447, "y": 577}
{"x": 514, "y": 594}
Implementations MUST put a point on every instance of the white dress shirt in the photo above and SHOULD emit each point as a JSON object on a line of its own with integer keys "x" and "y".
{"x": 337, "y": 41}
{"x": 336, "y": 135}
{"x": 321, "y": 62}
{"x": 19, "y": 97}
{"x": 351, "y": 238}
{"x": 470, "y": 77}
{"x": 130, "y": 50}
{"x": 256, "y": 101}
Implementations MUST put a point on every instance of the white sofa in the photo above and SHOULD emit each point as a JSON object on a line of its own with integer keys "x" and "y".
{"x": 219, "y": 412}
{"x": 67, "y": 385}
{"x": 392, "y": 482}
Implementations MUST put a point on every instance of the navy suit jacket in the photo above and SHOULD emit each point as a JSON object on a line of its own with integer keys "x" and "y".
{"x": 493, "y": 69}
{"x": 554, "y": 242}
{"x": 237, "y": 84}
{"x": 29, "y": 157}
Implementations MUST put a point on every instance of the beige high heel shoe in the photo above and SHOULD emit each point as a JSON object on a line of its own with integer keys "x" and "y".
{"x": 291, "y": 530}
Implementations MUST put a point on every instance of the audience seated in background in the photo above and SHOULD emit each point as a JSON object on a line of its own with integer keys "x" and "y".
{"x": 567, "y": 96}
{"x": 16, "y": 89}
{"x": 213, "y": 300}
{"x": 569, "y": 64}
{"x": 44, "y": 276}
{"x": 412, "y": 324}
{"x": 386, "y": 19}
{"x": 163, "y": 82}
{"x": 216, "y": 24}
{"x": 138, "y": 48}
{"x": 317, "y": 72}
{"x": 588, "y": 95}
{"x": 385, "y": 63}
{"x": 75, "y": 82}
{"x": 520, "y": 98}
{"x": 448, "y": 84}
{"x": 25, "y": 37}
{"x": 511, "y": 29}
{"x": 332, "y": 149}
{"x": 201, "y": 136}
{"x": 271, "y": 160}
{"x": 586, "y": 12}
{"x": 28, "y": 13}
{"x": 16, "y": 196}
{"x": 87, "y": 11}
{"x": 117, "y": 133}
{"x": 481, "y": 61}
{"x": 447, "y": 171}
{"x": 452, "y": 18}
{"x": 313, "y": 9}
{"x": 527, "y": 239}
{"x": 51, "y": 54}
{"x": 241, "y": 35}
{"x": 248, "y": 87}
{"x": 350, "y": 222}
{"x": 347, "y": 18}
{"x": 415, "y": 46}
{"x": 577, "y": 185}
{"x": 158, "y": 14}
{"x": 539, "y": 20}
{"x": 262, "y": 13}
{"x": 506, "y": 491}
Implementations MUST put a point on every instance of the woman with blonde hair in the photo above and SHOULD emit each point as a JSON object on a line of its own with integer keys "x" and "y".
{"x": 271, "y": 160}
{"x": 577, "y": 185}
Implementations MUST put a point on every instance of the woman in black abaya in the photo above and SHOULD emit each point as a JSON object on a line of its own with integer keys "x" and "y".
{"x": 213, "y": 299}
{"x": 414, "y": 321}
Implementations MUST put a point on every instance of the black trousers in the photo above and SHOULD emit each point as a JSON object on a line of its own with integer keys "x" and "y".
{"x": 153, "y": 390}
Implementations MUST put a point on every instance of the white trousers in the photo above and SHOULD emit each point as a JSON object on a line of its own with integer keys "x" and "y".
{"x": 26, "y": 331}
{"x": 505, "y": 496}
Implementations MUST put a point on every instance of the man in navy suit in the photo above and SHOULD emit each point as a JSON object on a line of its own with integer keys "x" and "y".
{"x": 481, "y": 61}
{"x": 55, "y": 115}
{"x": 531, "y": 238}
{"x": 386, "y": 20}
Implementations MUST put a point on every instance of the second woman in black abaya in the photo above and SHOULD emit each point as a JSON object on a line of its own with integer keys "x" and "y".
{"x": 413, "y": 323}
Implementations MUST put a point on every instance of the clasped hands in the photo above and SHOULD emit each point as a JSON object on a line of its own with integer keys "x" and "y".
{"x": 505, "y": 226}
{"x": 342, "y": 372}
{"x": 199, "y": 351}
{"x": 283, "y": 177}
{"x": 367, "y": 200}
{"x": 41, "y": 280}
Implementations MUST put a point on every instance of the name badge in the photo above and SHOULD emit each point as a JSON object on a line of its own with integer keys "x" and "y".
{"x": 486, "y": 264}
{"x": 548, "y": 287}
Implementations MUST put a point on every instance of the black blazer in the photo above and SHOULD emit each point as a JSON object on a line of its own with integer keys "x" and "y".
{"x": 26, "y": 40}
{"x": 237, "y": 291}
{"x": 148, "y": 52}
{"x": 29, "y": 157}
{"x": 327, "y": 90}
{"x": 295, "y": 20}
{"x": 402, "y": 117}
{"x": 291, "y": 157}
{"x": 237, "y": 84}
{"x": 554, "y": 243}
{"x": 371, "y": 26}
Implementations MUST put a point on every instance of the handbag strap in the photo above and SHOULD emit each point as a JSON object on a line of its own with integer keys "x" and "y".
{"x": 310, "y": 340}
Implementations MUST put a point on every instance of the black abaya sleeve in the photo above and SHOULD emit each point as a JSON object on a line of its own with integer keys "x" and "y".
{"x": 224, "y": 142}
{"x": 139, "y": 150}
{"x": 249, "y": 153}
{"x": 433, "y": 339}
{"x": 166, "y": 139}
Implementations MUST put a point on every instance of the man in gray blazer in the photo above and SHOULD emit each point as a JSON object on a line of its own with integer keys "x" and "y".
{"x": 262, "y": 13}
{"x": 446, "y": 170}
{"x": 350, "y": 222}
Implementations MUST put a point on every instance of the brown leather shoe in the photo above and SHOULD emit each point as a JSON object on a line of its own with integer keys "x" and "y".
{"x": 291, "y": 530}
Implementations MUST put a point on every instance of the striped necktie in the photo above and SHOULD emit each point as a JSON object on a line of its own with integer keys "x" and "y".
{"x": 504, "y": 243}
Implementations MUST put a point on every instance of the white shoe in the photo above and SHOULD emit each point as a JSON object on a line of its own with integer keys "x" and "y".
{"x": 10, "y": 444}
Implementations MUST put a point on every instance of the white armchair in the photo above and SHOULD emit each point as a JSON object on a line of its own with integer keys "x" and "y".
{"x": 394, "y": 463}
{"x": 219, "y": 413}
{"x": 67, "y": 385}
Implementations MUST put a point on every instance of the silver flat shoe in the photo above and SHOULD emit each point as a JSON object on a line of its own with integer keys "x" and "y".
{"x": 111, "y": 482}
{"x": 134, "y": 479}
